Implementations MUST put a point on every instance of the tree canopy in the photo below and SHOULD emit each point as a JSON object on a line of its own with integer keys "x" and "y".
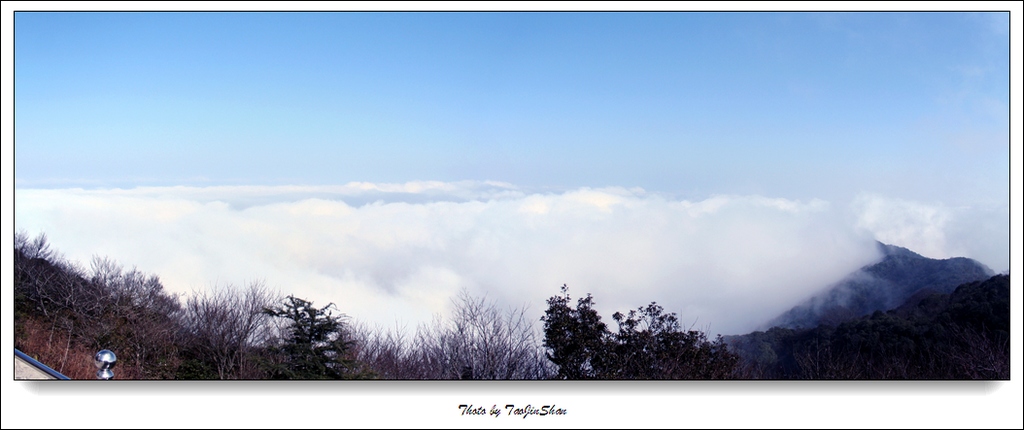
{"x": 649, "y": 344}
{"x": 316, "y": 345}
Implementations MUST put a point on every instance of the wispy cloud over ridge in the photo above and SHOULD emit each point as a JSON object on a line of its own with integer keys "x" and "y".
{"x": 938, "y": 230}
{"x": 398, "y": 252}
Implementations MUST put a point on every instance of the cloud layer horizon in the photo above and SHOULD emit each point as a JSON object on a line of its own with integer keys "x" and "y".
{"x": 390, "y": 254}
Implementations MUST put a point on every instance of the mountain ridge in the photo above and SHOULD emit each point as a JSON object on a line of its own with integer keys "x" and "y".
{"x": 882, "y": 286}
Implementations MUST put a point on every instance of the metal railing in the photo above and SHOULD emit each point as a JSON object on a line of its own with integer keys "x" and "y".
{"x": 42, "y": 367}
{"x": 105, "y": 361}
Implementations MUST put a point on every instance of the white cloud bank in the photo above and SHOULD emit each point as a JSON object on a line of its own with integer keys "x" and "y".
{"x": 387, "y": 253}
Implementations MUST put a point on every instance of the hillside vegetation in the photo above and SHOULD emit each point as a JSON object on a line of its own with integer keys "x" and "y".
{"x": 961, "y": 335}
{"x": 65, "y": 313}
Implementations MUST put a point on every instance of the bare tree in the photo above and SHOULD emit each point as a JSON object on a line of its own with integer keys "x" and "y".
{"x": 971, "y": 354}
{"x": 392, "y": 357}
{"x": 48, "y": 282}
{"x": 825, "y": 362}
{"x": 478, "y": 341}
{"x": 227, "y": 326}
{"x": 137, "y": 318}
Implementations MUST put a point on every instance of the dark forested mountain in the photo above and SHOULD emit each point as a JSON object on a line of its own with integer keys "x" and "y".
{"x": 961, "y": 335}
{"x": 900, "y": 275}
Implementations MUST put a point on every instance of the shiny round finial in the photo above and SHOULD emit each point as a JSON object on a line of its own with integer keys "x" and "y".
{"x": 105, "y": 360}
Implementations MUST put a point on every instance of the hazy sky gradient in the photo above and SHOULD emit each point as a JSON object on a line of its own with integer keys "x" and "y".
{"x": 887, "y": 126}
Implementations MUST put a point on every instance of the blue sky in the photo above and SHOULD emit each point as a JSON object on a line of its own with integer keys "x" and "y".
{"x": 788, "y": 104}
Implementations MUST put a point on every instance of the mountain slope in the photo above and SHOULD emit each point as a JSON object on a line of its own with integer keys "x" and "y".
{"x": 960, "y": 335}
{"x": 882, "y": 286}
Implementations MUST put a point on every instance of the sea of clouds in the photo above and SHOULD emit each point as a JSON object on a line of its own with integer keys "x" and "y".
{"x": 395, "y": 254}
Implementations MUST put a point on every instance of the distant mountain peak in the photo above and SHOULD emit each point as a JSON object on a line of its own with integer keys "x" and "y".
{"x": 888, "y": 250}
{"x": 882, "y": 286}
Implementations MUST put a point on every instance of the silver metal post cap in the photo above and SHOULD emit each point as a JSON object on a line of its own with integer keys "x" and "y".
{"x": 105, "y": 359}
